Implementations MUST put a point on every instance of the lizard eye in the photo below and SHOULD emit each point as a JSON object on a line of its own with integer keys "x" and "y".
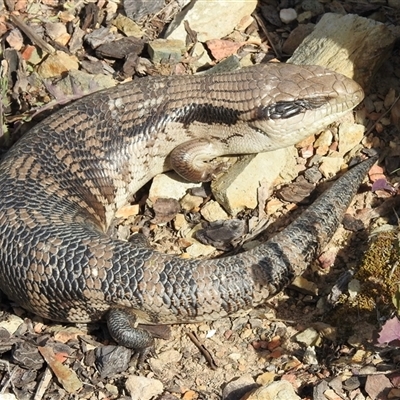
{"x": 288, "y": 109}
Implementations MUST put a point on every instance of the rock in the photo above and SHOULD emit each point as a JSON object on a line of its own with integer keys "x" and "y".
{"x": 352, "y": 383}
{"x": 323, "y": 142}
{"x": 120, "y": 49}
{"x": 273, "y": 205}
{"x": 330, "y": 394}
{"x": 76, "y": 41}
{"x": 326, "y": 331}
{"x": 170, "y": 356}
{"x": 319, "y": 389}
{"x": 58, "y": 32}
{"x": 287, "y": 15}
{"x": 165, "y": 210}
{"x": 237, "y": 189}
{"x": 309, "y": 337}
{"x": 56, "y": 64}
{"x": 377, "y": 385}
{"x": 111, "y": 360}
{"x": 99, "y": 36}
{"x": 310, "y": 356}
{"x": 231, "y": 63}
{"x": 127, "y": 26}
{"x": 337, "y": 385}
{"x": 297, "y": 191}
{"x": 166, "y": 50}
{"x": 304, "y": 286}
{"x": 127, "y": 211}
{"x": 137, "y": 9}
{"x": 330, "y": 166}
{"x": 270, "y": 13}
{"x": 314, "y": 6}
{"x": 112, "y": 389}
{"x": 15, "y": 39}
{"x": 296, "y": 36}
{"x": 180, "y": 222}
{"x": 220, "y": 49}
{"x": 236, "y": 389}
{"x": 369, "y": 43}
{"x": 266, "y": 378}
{"x": 313, "y": 175}
{"x": 222, "y": 234}
{"x": 354, "y": 288}
{"x": 280, "y": 390}
{"x": 350, "y": 135}
{"x": 142, "y": 388}
{"x": 191, "y": 203}
{"x": 212, "y": 211}
{"x": 169, "y": 185}
{"x": 197, "y": 250}
{"x": 31, "y": 55}
{"x": 11, "y": 323}
{"x": 201, "y": 57}
{"x": 304, "y": 16}
{"x": 205, "y": 18}
{"x": 84, "y": 83}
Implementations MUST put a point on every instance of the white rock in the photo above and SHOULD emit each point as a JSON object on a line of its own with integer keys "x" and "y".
{"x": 350, "y": 135}
{"x": 310, "y": 356}
{"x": 287, "y": 15}
{"x": 169, "y": 186}
{"x": 141, "y": 388}
{"x": 7, "y": 396}
{"x": 212, "y": 211}
{"x": 211, "y": 19}
{"x": 11, "y": 323}
{"x": 309, "y": 337}
{"x": 330, "y": 166}
{"x": 237, "y": 189}
{"x": 235, "y": 356}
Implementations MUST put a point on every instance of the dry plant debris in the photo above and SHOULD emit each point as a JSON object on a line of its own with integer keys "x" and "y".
{"x": 54, "y": 52}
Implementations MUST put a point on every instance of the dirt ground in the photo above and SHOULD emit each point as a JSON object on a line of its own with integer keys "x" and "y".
{"x": 259, "y": 347}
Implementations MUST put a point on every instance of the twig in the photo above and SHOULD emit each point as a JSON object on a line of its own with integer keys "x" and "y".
{"x": 33, "y": 36}
{"x": 260, "y": 22}
{"x": 193, "y": 337}
{"x": 43, "y": 384}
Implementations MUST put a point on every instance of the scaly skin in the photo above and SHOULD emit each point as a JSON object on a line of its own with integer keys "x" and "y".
{"x": 62, "y": 183}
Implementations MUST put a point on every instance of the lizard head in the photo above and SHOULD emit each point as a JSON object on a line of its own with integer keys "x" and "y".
{"x": 297, "y": 101}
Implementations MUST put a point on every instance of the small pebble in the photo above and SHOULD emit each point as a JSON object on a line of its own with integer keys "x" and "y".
{"x": 287, "y": 15}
